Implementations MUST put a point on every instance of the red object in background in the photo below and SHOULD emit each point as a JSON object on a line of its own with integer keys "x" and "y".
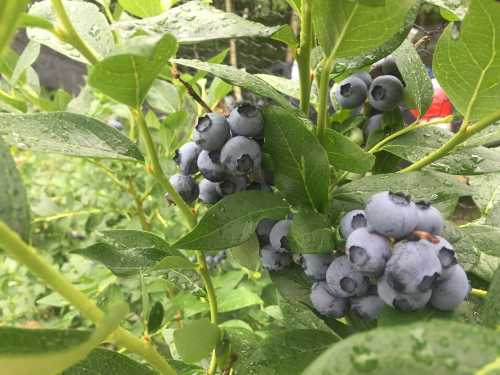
{"x": 441, "y": 106}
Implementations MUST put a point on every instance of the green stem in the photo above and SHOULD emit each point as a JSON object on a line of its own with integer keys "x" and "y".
{"x": 26, "y": 255}
{"x": 408, "y": 129}
{"x": 304, "y": 55}
{"x": 478, "y": 293}
{"x": 466, "y": 131}
{"x": 186, "y": 211}
{"x": 109, "y": 16}
{"x": 69, "y": 34}
{"x": 323, "y": 97}
{"x": 28, "y": 20}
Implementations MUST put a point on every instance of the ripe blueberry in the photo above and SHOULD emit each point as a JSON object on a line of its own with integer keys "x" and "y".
{"x": 263, "y": 230}
{"x": 391, "y": 214}
{"x": 210, "y": 166}
{"x": 446, "y": 255}
{"x": 273, "y": 260}
{"x": 386, "y": 92}
{"x": 278, "y": 235}
{"x": 211, "y": 132}
{"x": 240, "y": 155}
{"x": 402, "y": 301}
{"x": 368, "y": 307}
{"x": 326, "y": 303}
{"x": 350, "y": 93}
{"x": 450, "y": 293}
{"x": 372, "y": 125}
{"x": 413, "y": 268}
{"x": 343, "y": 280}
{"x": 246, "y": 120}
{"x": 351, "y": 221}
{"x": 231, "y": 185}
{"x": 315, "y": 265}
{"x": 368, "y": 252}
{"x": 365, "y": 77}
{"x": 186, "y": 156}
{"x": 429, "y": 219}
{"x": 208, "y": 192}
{"x": 185, "y": 186}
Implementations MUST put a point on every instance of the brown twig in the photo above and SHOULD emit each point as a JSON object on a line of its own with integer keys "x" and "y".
{"x": 191, "y": 91}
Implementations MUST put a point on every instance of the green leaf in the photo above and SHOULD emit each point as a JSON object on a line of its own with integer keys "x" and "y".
{"x": 490, "y": 311}
{"x": 67, "y": 133}
{"x": 26, "y": 59}
{"x": 293, "y": 285}
{"x": 239, "y": 77}
{"x": 347, "y": 155}
{"x": 485, "y": 238}
{"x": 438, "y": 347}
{"x": 90, "y": 24}
{"x": 155, "y": 318}
{"x": 375, "y": 54}
{"x": 485, "y": 190}
{"x": 457, "y": 7}
{"x": 174, "y": 262}
{"x": 392, "y": 317}
{"x": 285, "y": 353}
{"x": 467, "y": 66}
{"x": 310, "y": 232}
{"x": 233, "y": 220}
{"x": 300, "y": 164}
{"x": 415, "y": 75}
{"x": 247, "y": 253}
{"x": 142, "y": 8}
{"x": 236, "y": 299}
{"x": 14, "y": 207}
{"x": 102, "y": 361}
{"x": 127, "y": 76}
{"x": 415, "y": 145}
{"x": 286, "y": 86}
{"x": 10, "y": 12}
{"x": 196, "y": 340}
{"x": 48, "y": 352}
{"x": 130, "y": 238}
{"x": 123, "y": 262}
{"x": 342, "y": 26}
{"x": 195, "y": 22}
{"x": 435, "y": 187}
{"x": 486, "y": 137}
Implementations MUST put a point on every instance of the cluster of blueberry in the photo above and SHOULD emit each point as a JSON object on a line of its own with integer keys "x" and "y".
{"x": 212, "y": 260}
{"x": 394, "y": 255}
{"x": 383, "y": 93}
{"x": 226, "y": 152}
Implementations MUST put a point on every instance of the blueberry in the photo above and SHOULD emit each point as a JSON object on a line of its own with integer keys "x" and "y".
{"x": 343, "y": 280}
{"x": 402, "y": 301}
{"x": 208, "y": 192}
{"x": 115, "y": 124}
{"x": 211, "y": 132}
{"x": 274, "y": 260}
{"x": 368, "y": 252}
{"x": 350, "y": 93}
{"x": 450, "y": 293}
{"x": 388, "y": 66}
{"x": 326, "y": 303}
{"x": 413, "y": 268}
{"x": 186, "y": 156}
{"x": 371, "y": 125}
{"x": 365, "y": 77}
{"x": 446, "y": 255}
{"x": 351, "y": 221}
{"x": 231, "y": 185}
{"x": 246, "y": 120}
{"x": 367, "y": 307}
{"x": 240, "y": 155}
{"x": 185, "y": 186}
{"x": 210, "y": 166}
{"x": 220, "y": 256}
{"x": 315, "y": 265}
{"x": 278, "y": 235}
{"x": 263, "y": 230}
{"x": 391, "y": 214}
{"x": 429, "y": 219}
{"x": 386, "y": 92}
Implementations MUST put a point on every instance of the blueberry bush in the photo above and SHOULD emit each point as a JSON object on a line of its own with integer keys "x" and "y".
{"x": 147, "y": 229}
